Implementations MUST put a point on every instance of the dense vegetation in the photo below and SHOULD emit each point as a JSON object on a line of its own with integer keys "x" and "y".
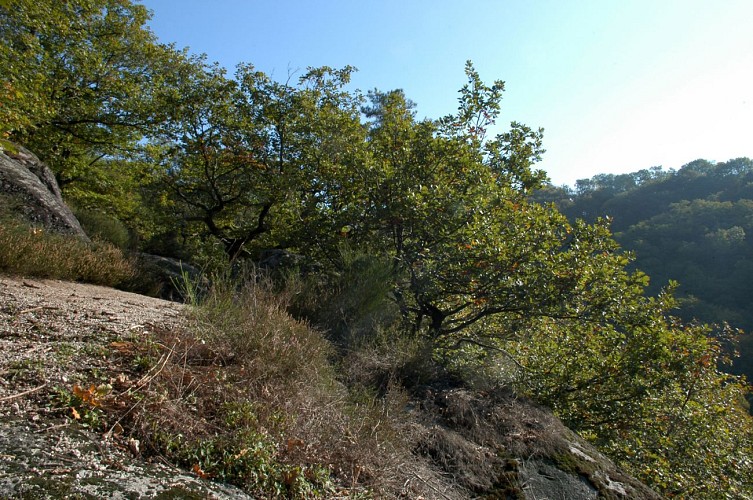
{"x": 692, "y": 226}
{"x": 406, "y": 232}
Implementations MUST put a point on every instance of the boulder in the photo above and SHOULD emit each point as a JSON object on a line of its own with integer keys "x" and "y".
{"x": 496, "y": 444}
{"x": 169, "y": 278}
{"x": 28, "y": 189}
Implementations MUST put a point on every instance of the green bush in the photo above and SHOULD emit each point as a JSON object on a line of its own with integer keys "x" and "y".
{"x": 104, "y": 227}
{"x": 350, "y": 303}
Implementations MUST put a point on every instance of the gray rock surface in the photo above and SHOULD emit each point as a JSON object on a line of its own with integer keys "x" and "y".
{"x": 29, "y": 189}
{"x": 545, "y": 480}
{"x": 69, "y": 461}
{"x": 496, "y": 443}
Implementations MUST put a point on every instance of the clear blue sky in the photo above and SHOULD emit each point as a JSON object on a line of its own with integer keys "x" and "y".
{"x": 618, "y": 85}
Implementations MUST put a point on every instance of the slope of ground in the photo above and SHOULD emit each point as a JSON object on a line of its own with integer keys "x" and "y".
{"x": 56, "y": 335}
{"x": 59, "y": 340}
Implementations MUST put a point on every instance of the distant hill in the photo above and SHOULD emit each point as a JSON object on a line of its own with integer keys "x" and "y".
{"x": 693, "y": 225}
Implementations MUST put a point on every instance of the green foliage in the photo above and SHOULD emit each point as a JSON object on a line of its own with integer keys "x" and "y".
{"x": 474, "y": 260}
{"x": 122, "y": 189}
{"x": 706, "y": 240}
{"x": 692, "y": 226}
{"x": 250, "y": 159}
{"x": 85, "y": 84}
{"x": 246, "y": 458}
{"x": 100, "y": 226}
{"x": 650, "y": 396}
{"x": 432, "y": 196}
{"x": 80, "y": 77}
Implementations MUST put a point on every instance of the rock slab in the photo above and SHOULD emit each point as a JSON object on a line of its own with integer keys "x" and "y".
{"x": 28, "y": 188}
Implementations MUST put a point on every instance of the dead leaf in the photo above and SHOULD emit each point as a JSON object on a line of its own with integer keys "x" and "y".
{"x": 88, "y": 396}
{"x": 294, "y": 443}
{"x": 75, "y": 414}
{"x": 121, "y": 381}
{"x": 134, "y": 445}
{"x": 122, "y": 347}
{"x": 197, "y": 470}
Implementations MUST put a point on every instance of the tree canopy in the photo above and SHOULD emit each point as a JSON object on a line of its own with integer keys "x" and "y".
{"x": 692, "y": 226}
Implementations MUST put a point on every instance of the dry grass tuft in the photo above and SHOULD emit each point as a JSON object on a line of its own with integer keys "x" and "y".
{"x": 248, "y": 395}
{"x": 31, "y": 251}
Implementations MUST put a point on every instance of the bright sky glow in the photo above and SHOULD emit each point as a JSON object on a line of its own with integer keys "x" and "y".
{"x": 617, "y": 85}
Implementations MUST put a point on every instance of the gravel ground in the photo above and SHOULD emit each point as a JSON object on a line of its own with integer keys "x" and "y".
{"x": 55, "y": 335}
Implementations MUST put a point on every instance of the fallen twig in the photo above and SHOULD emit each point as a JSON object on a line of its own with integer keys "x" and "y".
{"x": 155, "y": 371}
{"x": 32, "y": 309}
{"x": 21, "y": 394}
{"x": 427, "y": 483}
{"x": 53, "y": 427}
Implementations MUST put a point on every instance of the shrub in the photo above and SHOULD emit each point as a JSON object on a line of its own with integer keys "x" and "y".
{"x": 246, "y": 394}
{"x": 247, "y": 324}
{"x": 653, "y": 399}
{"x": 104, "y": 227}
{"x": 32, "y": 251}
{"x": 350, "y": 303}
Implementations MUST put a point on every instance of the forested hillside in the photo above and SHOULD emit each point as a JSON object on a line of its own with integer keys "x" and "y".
{"x": 419, "y": 243}
{"x": 693, "y": 226}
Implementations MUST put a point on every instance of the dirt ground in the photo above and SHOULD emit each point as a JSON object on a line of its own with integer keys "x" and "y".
{"x": 49, "y": 331}
{"x": 44, "y": 323}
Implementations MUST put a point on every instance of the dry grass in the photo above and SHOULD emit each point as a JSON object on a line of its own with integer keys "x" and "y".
{"x": 241, "y": 392}
{"x": 248, "y": 395}
{"x": 30, "y": 251}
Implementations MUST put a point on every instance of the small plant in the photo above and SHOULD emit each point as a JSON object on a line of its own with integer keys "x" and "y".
{"x": 187, "y": 287}
{"x": 25, "y": 369}
{"x": 8, "y": 146}
{"x": 65, "y": 350}
{"x": 240, "y": 453}
{"x": 142, "y": 363}
{"x": 84, "y": 405}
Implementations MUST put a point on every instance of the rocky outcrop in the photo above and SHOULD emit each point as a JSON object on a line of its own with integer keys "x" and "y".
{"x": 465, "y": 443}
{"x": 28, "y": 188}
{"x": 73, "y": 462}
{"x": 498, "y": 445}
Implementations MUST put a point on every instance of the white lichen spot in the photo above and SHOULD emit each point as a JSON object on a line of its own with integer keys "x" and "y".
{"x": 580, "y": 453}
